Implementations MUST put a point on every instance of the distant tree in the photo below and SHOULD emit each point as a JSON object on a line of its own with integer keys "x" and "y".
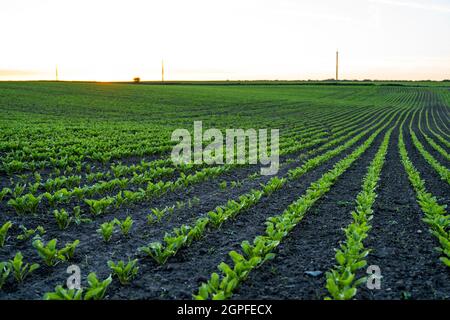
{"x": 137, "y": 80}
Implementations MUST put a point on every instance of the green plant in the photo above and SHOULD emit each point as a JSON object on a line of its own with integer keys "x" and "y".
{"x": 236, "y": 184}
{"x": 198, "y": 230}
{"x": 125, "y": 225}
{"x": 3, "y": 232}
{"x": 48, "y": 252}
{"x": 64, "y": 294}
{"x": 51, "y": 199}
{"x": 78, "y": 217}
{"x": 5, "y": 271}
{"x": 157, "y": 252}
{"x": 217, "y": 217}
{"x": 194, "y": 201}
{"x": 98, "y": 207}
{"x": 27, "y": 233}
{"x": 4, "y": 192}
{"x": 253, "y": 176}
{"x": 130, "y": 196}
{"x": 34, "y": 187}
{"x": 40, "y": 230}
{"x": 220, "y": 289}
{"x": 62, "y": 218}
{"x": 124, "y": 272}
{"x": 20, "y": 269}
{"x": 97, "y": 289}
{"x": 106, "y": 230}
{"x": 151, "y": 219}
{"x": 215, "y": 288}
{"x": 223, "y": 185}
{"x": 273, "y": 185}
{"x": 13, "y": 166}
{"x": 18, "y": 190}
{"x": 180, "y": 204}
{"x": 68, "y": 251}
{"x": 159, "y": 214}
{"x": 37, "y": 177}
{"x": 176, "y": 242}
{"x": 25, "y": 204}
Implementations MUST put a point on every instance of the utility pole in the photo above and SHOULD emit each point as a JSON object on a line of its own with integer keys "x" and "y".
{"x": 162, "y": 70}
{"x": 57, "y": 73}
{"x": 337, "y": 65}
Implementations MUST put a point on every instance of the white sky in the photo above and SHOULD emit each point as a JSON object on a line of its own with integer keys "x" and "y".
{"x": 224, "y": 39}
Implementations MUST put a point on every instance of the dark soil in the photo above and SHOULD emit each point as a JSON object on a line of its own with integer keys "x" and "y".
{"x": 182, "y": 274}
{"x": 402, "y": 246}
{"x": 311, "y": 245}
{"x": 439, "y": 188}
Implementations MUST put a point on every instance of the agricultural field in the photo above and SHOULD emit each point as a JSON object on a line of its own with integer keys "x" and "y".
{"x": 88, "y": 186}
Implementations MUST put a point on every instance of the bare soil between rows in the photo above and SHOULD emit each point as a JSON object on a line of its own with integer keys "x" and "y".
{"x": 400, "y": 242}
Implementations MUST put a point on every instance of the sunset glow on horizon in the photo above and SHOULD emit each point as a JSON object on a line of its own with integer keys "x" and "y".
{"x": 224, "y": 40}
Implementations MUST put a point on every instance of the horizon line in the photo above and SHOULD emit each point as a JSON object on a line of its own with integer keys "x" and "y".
{"x": 229, "y": 80}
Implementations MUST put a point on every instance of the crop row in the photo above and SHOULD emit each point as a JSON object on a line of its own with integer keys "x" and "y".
{"x": 29, "y": 202}
{"x": 351, "y": 256}
{"x": 184, "y": 235}
{"x": 278, "y": 227}
{"x": 443, "y": 172}
{"x": 436, "y": 215}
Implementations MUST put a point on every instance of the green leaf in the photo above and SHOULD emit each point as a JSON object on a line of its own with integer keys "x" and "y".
{"x": 219, "y": 296}
{"x": 349, "y": 293}
{"x": 445, "y": 261}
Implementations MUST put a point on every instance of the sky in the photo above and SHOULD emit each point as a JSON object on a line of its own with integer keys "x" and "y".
{"x": 109, "y": 40}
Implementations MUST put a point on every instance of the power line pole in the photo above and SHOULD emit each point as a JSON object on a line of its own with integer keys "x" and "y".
{"x": 162, "y": 70}
{"x": 337, "y": 65}
{"x": 57, "y": 73}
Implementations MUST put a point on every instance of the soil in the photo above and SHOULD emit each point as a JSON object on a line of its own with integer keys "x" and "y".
{"x": 400, "y": 242}
{"x": 298, "y": 270}
{"x": 192, "y": 263}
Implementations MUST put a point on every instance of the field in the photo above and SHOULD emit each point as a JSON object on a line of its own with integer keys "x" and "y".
{"x": 87, "y": 180}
